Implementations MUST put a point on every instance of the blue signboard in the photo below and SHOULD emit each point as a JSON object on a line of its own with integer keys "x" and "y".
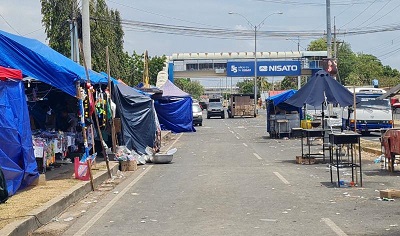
{"x": 265, "y": 68}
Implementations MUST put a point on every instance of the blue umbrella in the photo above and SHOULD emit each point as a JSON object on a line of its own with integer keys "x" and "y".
{"x": 322, "y": 88}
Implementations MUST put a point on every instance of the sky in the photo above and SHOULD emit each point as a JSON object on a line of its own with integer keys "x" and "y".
{"x": 366, "y": 19}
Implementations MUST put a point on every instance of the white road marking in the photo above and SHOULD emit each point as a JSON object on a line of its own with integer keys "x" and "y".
{"x": 256, "y": 155}
{"x": 281, "y": 178}
{"x": 237, "y": 137}
{"x": 92, "y": 221}
{"x": 334, "y": 227}
{"x": 245, "y": 145}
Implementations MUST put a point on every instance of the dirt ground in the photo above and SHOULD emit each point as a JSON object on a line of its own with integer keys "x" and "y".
{"x": 20, "y": 204}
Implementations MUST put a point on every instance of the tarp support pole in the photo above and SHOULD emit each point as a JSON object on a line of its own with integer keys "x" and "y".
{"x": 113, "y": 133}
{"x": 97, "y": 119}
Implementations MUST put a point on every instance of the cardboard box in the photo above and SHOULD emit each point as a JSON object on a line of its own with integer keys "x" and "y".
{"x": 389, "y": 193}
{"x": 305, "y": 161}
{"x": 128, "y": 165}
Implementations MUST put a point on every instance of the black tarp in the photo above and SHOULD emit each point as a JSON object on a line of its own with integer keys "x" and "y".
{"x": 318, "y": 87}
{"x": 138, "y": 125}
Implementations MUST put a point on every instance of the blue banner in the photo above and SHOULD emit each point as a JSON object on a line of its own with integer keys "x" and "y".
{"x": 265, "y": 68}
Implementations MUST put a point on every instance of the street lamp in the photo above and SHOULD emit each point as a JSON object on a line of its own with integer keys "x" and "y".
{"x": 255, "y": 27}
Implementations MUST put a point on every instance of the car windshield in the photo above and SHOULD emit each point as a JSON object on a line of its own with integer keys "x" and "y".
{"x": 215, "y": 105}
{"x": 373, "y": 103}
{"x": 196, "y": 108}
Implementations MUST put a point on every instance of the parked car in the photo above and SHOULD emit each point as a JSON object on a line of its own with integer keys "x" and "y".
{"x": 197, "y": 114}
{"x": 215, "y": 109}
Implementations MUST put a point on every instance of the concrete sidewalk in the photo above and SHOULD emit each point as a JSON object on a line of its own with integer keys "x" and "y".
{"x": 45, "y": 213}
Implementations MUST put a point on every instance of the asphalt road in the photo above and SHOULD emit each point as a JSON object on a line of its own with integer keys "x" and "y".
{"x": 229, "y": 178}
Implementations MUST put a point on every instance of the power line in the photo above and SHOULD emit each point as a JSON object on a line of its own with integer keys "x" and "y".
{"x": 9, "y": 24}
{"x": 389, "y": 54}
{"x": 384, "y": 15}
{"x": 374, "y": 14}
{"x": 158, "y": 14}
{"x": 241, "y": 34}
{"x": 359, "y": 14}
{"x": 344, "y": 3}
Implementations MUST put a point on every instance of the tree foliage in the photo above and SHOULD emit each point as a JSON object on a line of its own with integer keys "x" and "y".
{"x": 358, "y": 68}
{"x": 246, "y": 86}
{"x": 56, "y": 17}
{"x": 105, "y": 30}
{"x": 193, "y": 88}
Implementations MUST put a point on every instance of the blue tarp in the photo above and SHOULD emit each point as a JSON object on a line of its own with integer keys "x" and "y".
{"x": 41, "y": 62}
{"x": 16, "y": 150}
{"x": 174, "y": 109}
{"x": 137, "y": 116}
{"x": 279, "y": 101}
{"x": 279, "y": 98}
{"x": 319, "y": 86}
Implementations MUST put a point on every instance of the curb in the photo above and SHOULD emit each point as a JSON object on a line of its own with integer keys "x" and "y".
{"x": 55, "y": 206}
{"x": 372, "y": 150}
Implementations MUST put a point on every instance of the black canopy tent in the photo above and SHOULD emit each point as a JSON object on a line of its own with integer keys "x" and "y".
{"x": 322, "y": 88}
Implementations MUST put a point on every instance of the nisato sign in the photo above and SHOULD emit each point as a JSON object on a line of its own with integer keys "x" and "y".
{"x": 265, "y": 68}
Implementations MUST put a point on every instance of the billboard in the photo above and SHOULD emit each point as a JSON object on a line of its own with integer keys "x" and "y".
{"x": 265, "y": 68}
{"x": 330, "y": 66}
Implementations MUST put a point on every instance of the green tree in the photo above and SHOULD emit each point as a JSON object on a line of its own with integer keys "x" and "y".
{"x": 388, "y": 71}
{"x": 106, "y": 30}
{"x": 56, "y": 17}
{"x": 133, "y": 74}
{"x": 156, "y": 64}
{"x": 346, "y": 61}
{"x": 194, "y": 88}
{"x": 246, "y": 86}
{"x": 289, "y": 82}
{"x": 317, "y": 45}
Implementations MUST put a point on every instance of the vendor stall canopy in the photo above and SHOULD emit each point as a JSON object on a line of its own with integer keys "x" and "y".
{"x": 174, "y": 109}
{"x": 322, "y": 88}
{"x": 41, "y": 62}
{"x": 17, "y": 159}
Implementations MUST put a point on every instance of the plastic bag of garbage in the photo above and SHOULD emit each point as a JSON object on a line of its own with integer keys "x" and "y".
{"x": 141, "y": 159}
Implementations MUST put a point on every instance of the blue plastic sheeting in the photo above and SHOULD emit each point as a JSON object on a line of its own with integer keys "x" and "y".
{"x": 279, "y": 98}
{"x": 16, "y": 150}
{"x": 137, "y": 118}
{"x": 279, "y": 101}
{"x": 174, "y": 109}
{"x": 319, "y": 86}
{"x": 41, "y": 62}
{"x": 175, "y": 114}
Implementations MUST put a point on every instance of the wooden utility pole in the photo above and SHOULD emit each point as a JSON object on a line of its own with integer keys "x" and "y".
{"x": 113, "y": 133}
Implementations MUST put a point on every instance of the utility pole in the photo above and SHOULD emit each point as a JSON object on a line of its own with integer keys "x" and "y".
{"x": 334, "y": 38}
{"x": 328, "y": 28}
{"x": 86, "y": 33}
{"x": 73, "y": 26}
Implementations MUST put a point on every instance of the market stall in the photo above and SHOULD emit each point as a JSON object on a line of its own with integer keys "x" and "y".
{"x": 17, "y": 159}
{"x": 320, "y": 89}
{"x": 58, "y": 110}
{"x": 174, "y": 109}
{"x": 137, "y": 114}
{"x": 282, "y": 117}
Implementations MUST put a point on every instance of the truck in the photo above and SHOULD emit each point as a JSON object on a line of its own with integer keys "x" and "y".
{"x": 372, "y": 114}
{"x": 241, "y": 105}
